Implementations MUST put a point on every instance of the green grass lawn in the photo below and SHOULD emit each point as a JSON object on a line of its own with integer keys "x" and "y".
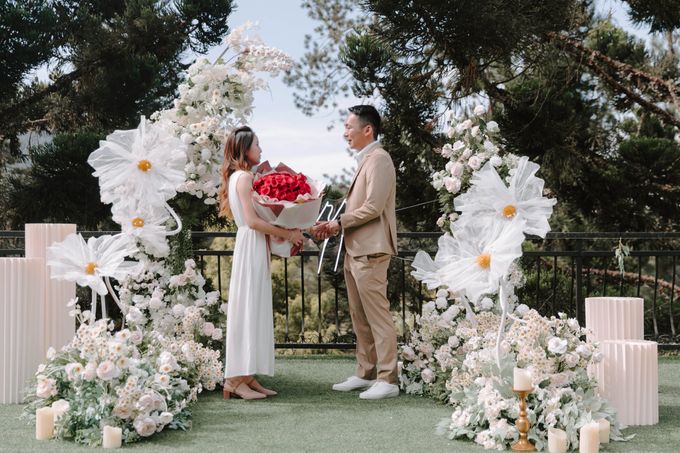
{"x": 309, "y": 416}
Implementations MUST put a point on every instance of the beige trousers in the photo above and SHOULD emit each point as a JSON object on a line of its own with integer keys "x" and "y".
{"x": 376, "y": 351}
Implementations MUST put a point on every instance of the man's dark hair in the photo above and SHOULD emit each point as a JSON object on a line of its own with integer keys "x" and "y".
{"x": 368, "y": 115}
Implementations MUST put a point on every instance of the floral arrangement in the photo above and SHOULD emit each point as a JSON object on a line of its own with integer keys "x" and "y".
{"x": 143, "y": 377}
{"x": 214, "y": 99}
{"x": 473, "y": 142}
{"x": 279, "y": 186}
{"x": 491, "y": 201}
{"x": 453, "y": 359}
{"x": 286, "y": 199}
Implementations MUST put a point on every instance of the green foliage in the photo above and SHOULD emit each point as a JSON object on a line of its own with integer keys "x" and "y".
{"x": 58, "y": 187}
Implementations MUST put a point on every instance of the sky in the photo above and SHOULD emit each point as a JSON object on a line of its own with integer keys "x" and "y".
{"x": 286, "y": 134}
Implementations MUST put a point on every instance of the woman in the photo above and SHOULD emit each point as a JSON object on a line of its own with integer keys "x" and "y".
{"x": 250, "y": 326}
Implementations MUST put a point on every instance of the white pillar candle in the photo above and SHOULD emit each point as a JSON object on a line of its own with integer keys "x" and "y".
{"x": 557, "y": 441}
{"x": 604, "y": 430}
{"x": 44, "y": 423}
{"x": 112, "y": 437}
{"x": 589, "y": 439}
{"x": 521, "y": 379}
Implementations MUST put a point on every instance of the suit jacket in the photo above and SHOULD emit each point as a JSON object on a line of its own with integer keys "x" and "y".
{"x": 370, "y": 221}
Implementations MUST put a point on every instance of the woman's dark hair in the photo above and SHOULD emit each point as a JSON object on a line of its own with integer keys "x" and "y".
{"x": 367, "y": 114}
{"x": 235, "y": 158}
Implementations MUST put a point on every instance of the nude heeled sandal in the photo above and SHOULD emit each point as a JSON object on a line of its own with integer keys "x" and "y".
{"x": 241, "y": 390}
{"x": 253, "y": 384}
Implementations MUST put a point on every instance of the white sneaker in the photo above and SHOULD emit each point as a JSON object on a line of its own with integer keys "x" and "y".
{"x": 380, "y": 390}
{"x": 353, "y": 383}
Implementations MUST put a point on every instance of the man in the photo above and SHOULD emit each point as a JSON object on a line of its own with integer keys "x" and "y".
{"x": 370, "y": 226}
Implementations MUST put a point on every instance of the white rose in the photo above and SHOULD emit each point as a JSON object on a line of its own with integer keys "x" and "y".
{"x": 122, "y": 411}
{"x": 107, "y": 370}
{"x": 443, "y": 293}
{"x": 522, "y": 310}
{"x": 571, "y": 359}
{"x": 188, "y": 353}
{"x": 492, "y": 127}
{"x": 408, "y": 354}
{"x": 155, "y": 303}
{"x": 136, "y": 336}
{"x": 584, "y": 350}
{"x": 467, "y": 153}
{"x": 486, "y": 303}
{"x": 167, "y": 358}
{"x": 428, "y": 307}
{"x": 597, "y": 357}
{"x": 60, "y": 407}
{"x": 74, "y": 371}
{"x": 145, "y": 403}
{"x": 46, "y": 387}
{"x": 496, "y": 161}
{"x": 217, "y": 334}
{"x": 437, "y": 183}
{"x": 186, "y": 138}
{"x": 479, "y": 110}
{"x": 447, "y": 150}
{"x": 165, "y": 417}
{"x": 178, "y": 310}
{"x": 453, "y": 342}
{"x": 475, "y": 162}
{"x": 427, "y": 375}
{"x": 223, "y": 308}
{"x": 208, "y": 328}
{"x": 457, "y": 169}
{"x": 145, "y": 426}
{"x": 134, "y": 315}
{"x": 90, "y": 371}
{"x": 452, "y": 184}
{"x": 573, "y": 324}
{"x": 206, "y": 154}
{"x": 474, "y": 131}
{"x": 557, "y": 345}
{"x": 441, "y": 303}
{"x": 467, "y": 124}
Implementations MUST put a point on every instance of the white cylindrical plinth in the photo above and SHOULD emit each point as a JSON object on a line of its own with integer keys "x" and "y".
{"x": 22, "y": 285}
{"x": 615, "y": 318}
{"x": 59, "y": 326}
{"x": 628, "y": 377}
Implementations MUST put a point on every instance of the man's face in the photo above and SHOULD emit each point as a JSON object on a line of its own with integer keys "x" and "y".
{"x": 357, "y": 136}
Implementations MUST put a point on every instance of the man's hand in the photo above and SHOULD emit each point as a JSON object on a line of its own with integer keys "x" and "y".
{"x": 324, "y": 230}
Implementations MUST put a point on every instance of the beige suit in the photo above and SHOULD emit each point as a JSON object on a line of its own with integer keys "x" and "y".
{"x": 370, "y": 228}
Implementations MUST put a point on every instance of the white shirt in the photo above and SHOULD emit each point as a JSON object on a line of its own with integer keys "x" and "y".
{"x": 360, "y": 155}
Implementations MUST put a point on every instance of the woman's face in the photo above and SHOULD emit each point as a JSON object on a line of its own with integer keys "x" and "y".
{"x": 254, "y": 153}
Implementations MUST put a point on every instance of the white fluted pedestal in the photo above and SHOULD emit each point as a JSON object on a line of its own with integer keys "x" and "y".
{"x": 628, "y": 377}
{"x": 59, "y": 326}
{"x": 615, "y": 318}
{"x": 22, "y": 286}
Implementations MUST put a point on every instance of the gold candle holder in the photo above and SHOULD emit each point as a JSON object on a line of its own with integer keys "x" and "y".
{"x": 522, "y": 423}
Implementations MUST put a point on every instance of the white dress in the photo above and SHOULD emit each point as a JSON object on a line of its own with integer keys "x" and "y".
{"x": 250, "y": 321}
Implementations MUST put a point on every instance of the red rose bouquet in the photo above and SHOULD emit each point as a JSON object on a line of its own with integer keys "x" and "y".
{"x": 286, "y": 199}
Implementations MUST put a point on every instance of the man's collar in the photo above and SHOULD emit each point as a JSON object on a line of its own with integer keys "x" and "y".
{"x": 360, "y": 155}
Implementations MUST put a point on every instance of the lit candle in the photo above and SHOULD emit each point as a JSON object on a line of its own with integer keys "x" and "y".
{"x": 557, "y": 441}
{"x": 521, "y": 380}
{"x": 604, "y": 430}
{"x": 44, "y": 423}
{"x": 113, "y": 437}
{"x": 589, "y": 439}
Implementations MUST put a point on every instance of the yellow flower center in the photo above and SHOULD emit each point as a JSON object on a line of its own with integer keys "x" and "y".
{"x": 90, "y": 267}
{"x": 484, "y": 260}
{"x": 509, "y": 211}
{"x": 144, "y": 165}
{"x": 138, "y": 222}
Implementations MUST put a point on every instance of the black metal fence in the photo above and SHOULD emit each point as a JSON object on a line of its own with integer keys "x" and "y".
{"x": 561, "y": 271}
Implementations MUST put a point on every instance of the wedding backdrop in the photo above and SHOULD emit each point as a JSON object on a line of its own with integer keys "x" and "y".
{"x": 521, "y": 338}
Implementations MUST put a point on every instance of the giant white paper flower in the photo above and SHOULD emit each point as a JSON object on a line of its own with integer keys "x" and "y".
{"x": 87, "y": 263}
{"x": 474, "y": 261}
{"x": 146, "y": 223}
{"x": 489, "y": 197}
{"x": 146, "y": 163}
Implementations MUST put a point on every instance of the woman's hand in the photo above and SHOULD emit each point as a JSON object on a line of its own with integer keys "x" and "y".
{"x": 295, "y": 236}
